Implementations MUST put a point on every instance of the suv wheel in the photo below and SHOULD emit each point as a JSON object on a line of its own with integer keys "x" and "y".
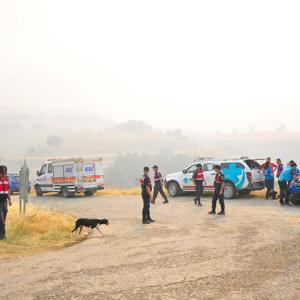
{"x": 230, "y": 191}
{"x": 173, "y": 189}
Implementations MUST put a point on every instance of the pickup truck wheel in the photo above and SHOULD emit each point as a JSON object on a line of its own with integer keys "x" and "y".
{"x": 173, "y": 189}
{"x": 230, "y": 191}
{"x": 38, "y": 191}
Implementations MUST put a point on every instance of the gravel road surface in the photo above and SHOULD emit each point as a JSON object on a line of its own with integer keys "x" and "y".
{"x": 251, "y": 253}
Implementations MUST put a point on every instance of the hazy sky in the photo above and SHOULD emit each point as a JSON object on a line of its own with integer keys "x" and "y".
{"x": 170, "y": 63}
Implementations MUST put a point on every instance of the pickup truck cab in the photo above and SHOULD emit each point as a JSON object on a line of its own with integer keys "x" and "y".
{"x": 241, "y": 176}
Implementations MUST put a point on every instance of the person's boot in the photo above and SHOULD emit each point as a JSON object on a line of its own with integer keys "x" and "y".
{"x": 151, "y": 220}
{"x": 146, "y": 222}
{"x": 165, "y": 202}
{"x": 195, "y": 200}
{"x": 221, "y": 213}
{"x": 274, "y": 194}
{"x": 199, "y": 203}
{"x": 212, "y": 212}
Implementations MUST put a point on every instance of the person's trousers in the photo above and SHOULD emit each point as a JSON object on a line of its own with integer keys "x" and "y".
{"x": 199, "y": 190}
{"x": 3, "y": 214}
{"x": 270, "y": 188}
{"x": 146, "y": 208}
{"x": 159, "y": 189}
{"x": 217, "y": 196}
{"x": 284, "y": 191}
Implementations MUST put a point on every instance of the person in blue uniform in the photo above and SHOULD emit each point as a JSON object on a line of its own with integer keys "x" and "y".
{"x": 219, "y": 185}
{"x": 146, "y": 188}
{"x": 158, "y": 185}
{"x": 199, "y": 181}
{"x": 284, "y": 180}
{"x": 269, "y": 181}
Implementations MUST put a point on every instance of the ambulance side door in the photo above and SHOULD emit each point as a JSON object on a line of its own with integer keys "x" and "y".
{"x": 49, "y": 178}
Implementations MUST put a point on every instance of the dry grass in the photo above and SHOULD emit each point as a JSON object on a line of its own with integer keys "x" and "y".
{"x": 39, "y": 231}
{"x": 119, "y": 192}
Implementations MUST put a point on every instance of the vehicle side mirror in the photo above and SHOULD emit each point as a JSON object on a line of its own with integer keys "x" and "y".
{"x": 37, "y": 173}
{"x": 184, "y": 171}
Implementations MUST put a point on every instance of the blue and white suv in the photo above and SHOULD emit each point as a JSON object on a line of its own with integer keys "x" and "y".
{"x": 241, "y": 177}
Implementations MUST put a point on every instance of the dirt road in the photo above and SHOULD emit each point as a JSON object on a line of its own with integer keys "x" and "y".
{"x": 251, "y": 253}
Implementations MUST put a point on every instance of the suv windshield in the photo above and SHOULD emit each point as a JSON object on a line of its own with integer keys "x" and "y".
{"x": 252, "y": 164}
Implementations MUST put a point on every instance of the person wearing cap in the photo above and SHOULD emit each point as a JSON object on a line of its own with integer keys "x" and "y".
{"x": 4, "y": 199}
{"x": 146, "y": 187}
{"x": 219, "y": 185}
{"x": 199, "y": 181}
{"x": 158, "y": 185}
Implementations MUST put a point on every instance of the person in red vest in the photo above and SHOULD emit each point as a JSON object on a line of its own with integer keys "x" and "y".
{"x": 4, "y": 199}
{"x": 199, "y": 181}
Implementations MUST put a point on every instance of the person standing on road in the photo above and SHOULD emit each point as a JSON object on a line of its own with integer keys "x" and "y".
{"x": 158, "y": 185}
{"x": 269, "y": 180}
{"x": 219, "y": 185}
{"x": 4, "y": 199}
{"x": 199, "y": 181}
{"x": 146, "y": 187}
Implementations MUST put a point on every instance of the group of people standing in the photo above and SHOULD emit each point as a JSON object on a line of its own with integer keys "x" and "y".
{"x": 198, "y": 180}
{"x": 284, "y": 174}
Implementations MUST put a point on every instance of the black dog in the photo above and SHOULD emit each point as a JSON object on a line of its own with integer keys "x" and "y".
{"x": 90, "y": 223}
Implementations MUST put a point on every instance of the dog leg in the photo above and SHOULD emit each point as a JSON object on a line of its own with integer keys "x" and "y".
{"x": 80, "y": 229}
{"x": 99, "y": 230}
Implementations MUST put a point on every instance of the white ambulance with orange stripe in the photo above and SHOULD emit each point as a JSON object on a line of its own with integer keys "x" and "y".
{"x": 70, "y": 176}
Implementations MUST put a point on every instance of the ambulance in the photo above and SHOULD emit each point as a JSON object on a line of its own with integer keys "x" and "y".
{"x": 70, "y": 176}
{"x": 241, "y": 177}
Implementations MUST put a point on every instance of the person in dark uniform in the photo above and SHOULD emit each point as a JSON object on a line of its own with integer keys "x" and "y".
{"x": 158, "y": 185}
{"x": 146, "y": 187}
{"x": 219, "y": 185}
{"x": 199, "y": 181}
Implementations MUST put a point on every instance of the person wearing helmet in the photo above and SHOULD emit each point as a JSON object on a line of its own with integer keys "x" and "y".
{"x": 219, "y": 185}
{"x": 199, "y": 181}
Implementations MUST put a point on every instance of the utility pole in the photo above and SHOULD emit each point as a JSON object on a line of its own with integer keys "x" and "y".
{"x": 24, "y": 187}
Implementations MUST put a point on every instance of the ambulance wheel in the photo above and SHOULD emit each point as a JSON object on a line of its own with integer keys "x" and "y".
{"x": 230, "y": 191}
{"x": 38, "y": 191}
{"x": 173, "y": 189}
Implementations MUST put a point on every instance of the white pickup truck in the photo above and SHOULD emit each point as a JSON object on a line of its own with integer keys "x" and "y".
{"x": 70, "y": 176}
{"x": 241, "y": 176}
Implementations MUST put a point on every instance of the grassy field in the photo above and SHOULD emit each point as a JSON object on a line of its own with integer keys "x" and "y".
{"x": 41, "y": 230}
{"x": 119, "y": 192}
